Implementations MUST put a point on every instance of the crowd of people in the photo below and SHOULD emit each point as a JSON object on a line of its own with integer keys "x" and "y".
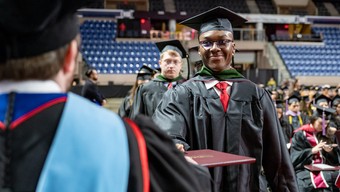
{"x": 309, "y": 118}
{"x": 53, "y": 140}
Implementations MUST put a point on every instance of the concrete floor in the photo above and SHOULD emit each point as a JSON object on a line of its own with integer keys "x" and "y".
{"x": 113, "y": 104}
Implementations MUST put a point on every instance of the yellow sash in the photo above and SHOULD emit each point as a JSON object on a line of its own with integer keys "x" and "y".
{"x": 290, "y": 120}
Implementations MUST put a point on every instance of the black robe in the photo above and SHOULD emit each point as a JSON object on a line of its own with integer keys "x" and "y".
{"x": 287, "y": 130}
{"x": 125, "y": 107}
{"x": 148, "y": 96}
{"x": 301, "y": 155}
{"x": 194, "y": 116}
{"x": 28, "y": 145}
{"x": 296, "y": 122}
{"x": 335, "y": 122}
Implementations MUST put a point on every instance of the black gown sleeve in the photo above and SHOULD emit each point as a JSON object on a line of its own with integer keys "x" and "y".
{"x": 137, "y": 106}
{"x": 124, "y": 108}
{"x": 173, "y": 115}
{"x": 335, "y": 158}
{"x": 169, "y": 170}
{"x": 281, "y": 174}
{"x": 300, "y": 151}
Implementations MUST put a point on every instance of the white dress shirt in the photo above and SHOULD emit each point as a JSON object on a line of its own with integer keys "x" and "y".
{"x": 167, "y": 83}
{"x": 211, "y": 84}
{"x": 30, "y": 86}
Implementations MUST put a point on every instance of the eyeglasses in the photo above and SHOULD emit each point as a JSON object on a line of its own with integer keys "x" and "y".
{"x": 169, "y": 61}
{"x": 220, "y": 43}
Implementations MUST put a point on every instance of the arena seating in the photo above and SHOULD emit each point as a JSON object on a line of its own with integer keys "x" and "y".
{"x": 156, "y": 5}
{"x": 266, "y": 6}
{"x": 103, "y": 53}
{"x": 322, "y": 10}
{"x": 199, "y": 6}
{"x": 314, "y": 60}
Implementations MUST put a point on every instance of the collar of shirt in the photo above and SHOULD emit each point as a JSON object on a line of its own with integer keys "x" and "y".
{"x": 167, "y": 83}
{"x": 31, "y": 86}
{"x": 211, "y": 84}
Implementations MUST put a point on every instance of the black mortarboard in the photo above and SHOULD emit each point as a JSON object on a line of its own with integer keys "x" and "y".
{"x": 158, "y": 70}
{"x": 305, "y": 98}
{"x": 30, "y": 28}
{"x": 218, "y": 18}
{"x": 294, "y": 98}
{"x": 335, "y": 100}
{"x": 322, "y": 98}
{"x": 319, "y": 111}
{"x": 172, "y": 45}
{"x": 279, "y": 104}
{"x": 145, "y": 73}
{"x": 194, "y": 48}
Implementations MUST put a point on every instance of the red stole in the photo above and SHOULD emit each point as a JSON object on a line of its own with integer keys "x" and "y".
{"x": 317, "y": 177}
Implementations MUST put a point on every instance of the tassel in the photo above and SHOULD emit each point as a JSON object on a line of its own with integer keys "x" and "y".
{"x": 323, "y": 122}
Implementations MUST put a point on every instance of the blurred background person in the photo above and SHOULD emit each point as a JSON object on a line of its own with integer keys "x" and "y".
{"x": 91, "y": 90}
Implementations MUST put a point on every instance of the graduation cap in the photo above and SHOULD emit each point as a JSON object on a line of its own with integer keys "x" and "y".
{"x": 305, "y": 98}
{"x": 279, "y": 104}
{"x": 158, "y": 70}
{"x": 145, "y": 73}
{"x": 30, "y": 28}
{"x": 293, "y": 98}
{"x": 172, "y": 45}
{"x": 325, "y": 114}
{"x": 218, "y": 18}
{"x": 322, "y": 98}
{"x": 335, "y": 100}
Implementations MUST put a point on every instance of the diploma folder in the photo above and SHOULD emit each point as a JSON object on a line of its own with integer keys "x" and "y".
{"x": 211, "y": 158}
{"x": 328, "y": 168}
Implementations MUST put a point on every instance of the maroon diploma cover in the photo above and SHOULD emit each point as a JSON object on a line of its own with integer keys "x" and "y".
{"x": 313, "y": 168}
{"x": 211, "y": 158}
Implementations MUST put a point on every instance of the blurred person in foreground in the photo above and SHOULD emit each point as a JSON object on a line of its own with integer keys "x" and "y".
{"x": 52, "y": 140}
{"x": 91, "y": 90}
{"x": 221, "y": 110}
{"x": 145, "y": 74}
{"x": 315, "y": 144}
{"x": 148, "y": 95}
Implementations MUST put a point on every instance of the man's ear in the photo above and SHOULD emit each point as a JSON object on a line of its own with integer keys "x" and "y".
{"x": 70, "y": 57}
{"x": 234, "y": 48}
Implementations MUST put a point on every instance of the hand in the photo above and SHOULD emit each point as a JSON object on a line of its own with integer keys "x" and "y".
{"x": 180, "y": 147}
{"x": 103, "y": 102}
{"x": 329, "y": 148}
{"x": 333, "y": 130}
{"x": 190, "y": 160}
{"x": 318, "y": 147}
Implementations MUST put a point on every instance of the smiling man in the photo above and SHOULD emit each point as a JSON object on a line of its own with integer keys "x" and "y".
{"x": 148, "y": 95}
{"x": 221, "y": 110}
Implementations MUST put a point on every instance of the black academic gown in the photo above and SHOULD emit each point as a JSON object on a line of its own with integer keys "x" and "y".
{"x": 148, "y": 96}
{"x": 125, "y": 107}
{"x": 301, "y": 155}
{"x": 287, "y": 130}
{"x": 29, "y": 143}
{"x": 194, "y": 116}
{"x": 296, "y": 122}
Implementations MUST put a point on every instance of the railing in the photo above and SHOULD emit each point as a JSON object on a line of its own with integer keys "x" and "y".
{"x": 244, "y": 34}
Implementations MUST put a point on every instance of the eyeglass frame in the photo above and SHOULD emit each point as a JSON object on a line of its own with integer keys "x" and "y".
{"x": 172, "y": 61}
{"x": 213, "y": 42}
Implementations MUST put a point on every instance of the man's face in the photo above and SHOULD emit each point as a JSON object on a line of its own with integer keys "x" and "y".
{"x": 170, "y": 65}
{"x": 94, "y": 75}
{"x": 215, "y": 58}
{"x": 295, "y": 107}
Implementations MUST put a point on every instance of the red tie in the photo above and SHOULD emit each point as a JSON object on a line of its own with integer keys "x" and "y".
{"x": 224, "y": 95}
{"x": 170, "y": 85}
